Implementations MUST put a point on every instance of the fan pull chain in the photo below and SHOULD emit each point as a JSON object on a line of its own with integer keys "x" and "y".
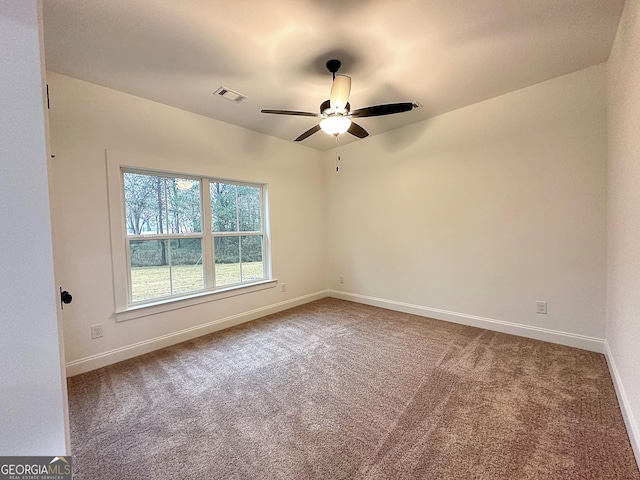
{"x": 337, "y": 152}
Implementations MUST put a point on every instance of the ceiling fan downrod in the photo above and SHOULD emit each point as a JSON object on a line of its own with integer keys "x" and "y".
{"x": 333, "y": 66}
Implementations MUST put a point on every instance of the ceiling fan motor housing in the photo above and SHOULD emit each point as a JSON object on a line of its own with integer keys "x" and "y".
{"x": 325, "y": 108}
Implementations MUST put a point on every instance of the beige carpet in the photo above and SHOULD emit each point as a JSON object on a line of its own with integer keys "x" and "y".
{"x": 338, "y": 390}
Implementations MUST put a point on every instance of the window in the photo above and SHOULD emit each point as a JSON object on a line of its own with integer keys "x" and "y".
{"x": 187, "y": 235}
{"x": 236, "y": 220}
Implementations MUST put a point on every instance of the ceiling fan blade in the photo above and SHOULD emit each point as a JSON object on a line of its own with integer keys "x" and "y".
{"x": 357, "y": 130}
{"x": 291, "y": 112}
{"x": 378, "y": 110}
{"x": 340, "y": 91}
{"x": 308, "y": 133}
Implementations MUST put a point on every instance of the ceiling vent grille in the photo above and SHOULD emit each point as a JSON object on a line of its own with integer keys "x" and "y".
{"x": 230, "y": 95}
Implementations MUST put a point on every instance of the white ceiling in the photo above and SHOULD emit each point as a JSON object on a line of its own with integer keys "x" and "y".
{"x": 443, "y": 54}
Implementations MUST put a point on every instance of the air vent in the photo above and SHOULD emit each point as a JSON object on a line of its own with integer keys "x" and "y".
{"x": 230, "y": 95}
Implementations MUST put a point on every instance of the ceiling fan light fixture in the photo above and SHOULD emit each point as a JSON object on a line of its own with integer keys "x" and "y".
{"x": 335, "y": 124}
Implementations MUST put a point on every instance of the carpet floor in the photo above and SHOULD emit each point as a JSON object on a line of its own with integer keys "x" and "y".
{"x": 339, "y": 390}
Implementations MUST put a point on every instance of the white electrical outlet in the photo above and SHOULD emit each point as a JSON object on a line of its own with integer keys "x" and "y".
{"x": 96, "y": 331}
{"x": 541, "y": 307}
{"x": 341, "y": 279}
{"x": 283, "y": 287}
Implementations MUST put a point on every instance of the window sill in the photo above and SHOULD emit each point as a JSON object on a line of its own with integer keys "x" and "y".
{"x": 160, "y": 306}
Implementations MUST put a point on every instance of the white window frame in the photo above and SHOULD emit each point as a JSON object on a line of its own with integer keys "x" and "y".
{"x": 117, "y": 164}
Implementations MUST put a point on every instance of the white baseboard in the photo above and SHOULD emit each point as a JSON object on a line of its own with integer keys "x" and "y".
{"x": 103, "y": 359}
{"x": 632, "y": 426}
{"x": 554, "y": 336}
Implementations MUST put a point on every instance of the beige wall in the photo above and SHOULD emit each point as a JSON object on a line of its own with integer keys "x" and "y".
{"x": 86, "y": 119}
{"x": 623, "y": 260}
{"x": 474, "y": 215}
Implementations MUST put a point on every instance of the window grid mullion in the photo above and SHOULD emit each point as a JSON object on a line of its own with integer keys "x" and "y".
{"x": 235, "y": 234}
{"x": 237, "y": 211}
{"x": 129, "y": 277}
{"x": 170, "y": 262}
{"x": 208, "y": 253}
{"x": 165, "y": 236}
{"x": 167, "y": 242}
{"x": 240, "y": 255}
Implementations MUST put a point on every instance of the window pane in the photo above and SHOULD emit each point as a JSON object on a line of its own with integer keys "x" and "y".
{"x": 249, "y": 209}
{"x": 187, "y": 273}
{"x": 150, "y": 276}
{"x": 227, "y": 252}
{"x": 223, "y": 207}
{"x": 183, "y": 205}
{"x": 156, "y": 204}
{"x": 144, "y": 200}
{"x": 252, "y": 265}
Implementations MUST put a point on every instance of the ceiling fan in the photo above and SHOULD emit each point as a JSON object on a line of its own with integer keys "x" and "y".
{"x": 336, "y": 113}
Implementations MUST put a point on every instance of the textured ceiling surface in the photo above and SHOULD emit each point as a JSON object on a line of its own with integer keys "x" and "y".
{"x": 442, "y": 54}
